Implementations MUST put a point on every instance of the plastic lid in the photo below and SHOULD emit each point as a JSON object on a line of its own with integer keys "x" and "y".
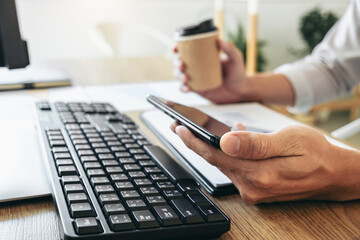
{"x": 203, "y": 27}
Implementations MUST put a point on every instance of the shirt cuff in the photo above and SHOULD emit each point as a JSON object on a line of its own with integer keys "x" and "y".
{"x": 304, "y": 98}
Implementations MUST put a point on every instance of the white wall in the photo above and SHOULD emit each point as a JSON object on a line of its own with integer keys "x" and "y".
{"x": 66, "y": 29}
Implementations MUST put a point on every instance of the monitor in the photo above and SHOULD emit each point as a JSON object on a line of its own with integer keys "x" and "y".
{"x": 13, "y": 50}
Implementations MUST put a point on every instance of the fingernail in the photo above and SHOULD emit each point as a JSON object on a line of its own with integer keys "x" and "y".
{"x": 231, "y": 144}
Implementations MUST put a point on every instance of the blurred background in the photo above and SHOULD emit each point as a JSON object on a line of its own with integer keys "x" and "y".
{"x": 114, "y": 41}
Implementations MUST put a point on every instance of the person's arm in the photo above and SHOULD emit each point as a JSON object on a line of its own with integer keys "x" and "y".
{"x": 332, "y": 69}
{"x": 268, "y": 88}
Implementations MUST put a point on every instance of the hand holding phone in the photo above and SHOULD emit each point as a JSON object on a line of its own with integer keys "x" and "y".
{"x": 200, "y": 124}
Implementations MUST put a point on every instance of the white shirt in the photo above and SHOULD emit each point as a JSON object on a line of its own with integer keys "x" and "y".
{"x": 333, "y": 68}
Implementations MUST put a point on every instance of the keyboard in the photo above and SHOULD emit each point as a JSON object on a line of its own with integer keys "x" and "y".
{"x": 109, "y": 181}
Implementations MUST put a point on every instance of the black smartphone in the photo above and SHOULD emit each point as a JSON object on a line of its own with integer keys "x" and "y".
{"x": 200, "y": 124}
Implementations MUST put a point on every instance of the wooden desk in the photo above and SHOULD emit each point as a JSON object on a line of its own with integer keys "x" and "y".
{"x": 36, "y": 219}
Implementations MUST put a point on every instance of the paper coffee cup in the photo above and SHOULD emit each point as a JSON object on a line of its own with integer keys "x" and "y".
{"x": 198, "y": 50}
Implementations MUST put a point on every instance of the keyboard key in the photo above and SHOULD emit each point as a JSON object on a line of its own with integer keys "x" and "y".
{"x": 120, "y": 222}
{"x": 155, "y": 200}
{"x": 141, "y": 156}
{"x": 123, "y": 186}
{"x": 165, "y": 185}
{"x": 119, "y": 177}
{"x": 145, "y": 219}
{"x": 110, "y": 163}
{"x": 159, "y": 177}
{"x": 108, "y": 198}
{"x": 211, "y": 214}
{"x": 87, "y": 226}
{"x": 167, "y": 216}
{"x": 129, "y": 194}
{"x": 80, "y": 141}
{"x": 56, "y": 137}
{"x": 137, "y": 151}
{"x": 76, "y": 198}
{"x": 81, "y": 210}
{"x": 136, "y": 174}
{"x": 99, "y": 180}
{"x": 197, "y": 199}
{"x": 149, "y": 191}
{"x": 72, "y": 188}
{"x": 95, "y": 172}
{"x": 82, "y": 147}
{"x": 114, "y": 143}
{"x": 188, "y": 187}
{"x": 132, "y": 145}
{"x": 131, "y": 167}
{"x": 122, "y": 154}
{"x": 89, "y": 159}
{"x": 172, "y": 194}
{"x": 142, "y": 182}
{"x": 136, "y": 204}
{"x": 59, "y": 149}
{"x": 91, "y": 165}
{"x": 113, "y": 208}
{"x": 146, "y": 163}
{"x": 186, "y": 211}
{"x": 70, "y": 179}
{"x": 118, "y": 149}
{"x": 111, "y": 170}
{"x": 106, "y": 156}
{"x": 99, "y": 189}
{"x": 98, "y": 145}
{"x": 57, "y": 143}
{"x": 102, "y": 150}
{"x": 58, "y": 156}
{"x": 67, "y": 170}
{"x": 150, "y": 170}
{"x": 126, "y": 160}
{"x": 63, "y": 162}
{"x": 82, "y": 153}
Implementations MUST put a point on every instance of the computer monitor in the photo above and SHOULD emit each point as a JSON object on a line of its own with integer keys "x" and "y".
{"x": 13, "y": 50}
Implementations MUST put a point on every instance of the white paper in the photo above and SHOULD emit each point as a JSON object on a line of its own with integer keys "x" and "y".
{"x": 132, "y": 96}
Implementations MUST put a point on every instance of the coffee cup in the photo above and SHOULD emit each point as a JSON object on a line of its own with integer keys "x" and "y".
{"x": 197, "y": 47}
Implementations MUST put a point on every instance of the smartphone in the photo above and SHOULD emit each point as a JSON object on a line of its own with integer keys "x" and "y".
{"x": 200, "y": 124}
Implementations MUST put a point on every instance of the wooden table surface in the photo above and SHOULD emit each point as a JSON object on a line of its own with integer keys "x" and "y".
{"x": 36, "y": 218}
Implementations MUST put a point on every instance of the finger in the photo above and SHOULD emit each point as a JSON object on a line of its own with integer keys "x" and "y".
{"x": 215, "y": 156}
{"x": 238, "y": 126}
{"x": 185, "y": 88}
{"x": 256, "y": 146}
{"x": 175, "y": 49}
{"x": 231, "y": 51}
{"x": 173, "y": 126}
{"x": 182, "y": 67}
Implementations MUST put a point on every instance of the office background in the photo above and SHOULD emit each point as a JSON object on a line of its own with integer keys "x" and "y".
{"x": 69, "y": 23}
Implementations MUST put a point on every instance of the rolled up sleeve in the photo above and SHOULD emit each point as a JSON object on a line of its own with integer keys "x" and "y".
{"x": 332, "y": 69}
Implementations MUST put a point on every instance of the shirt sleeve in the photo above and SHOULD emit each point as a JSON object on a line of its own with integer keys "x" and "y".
{"x": 333, "y": 68}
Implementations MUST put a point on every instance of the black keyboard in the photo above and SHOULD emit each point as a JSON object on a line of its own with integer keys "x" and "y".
{"x": 109, "y": 182}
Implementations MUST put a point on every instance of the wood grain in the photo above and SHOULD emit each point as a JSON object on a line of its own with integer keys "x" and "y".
{"x": 36, "y": 219}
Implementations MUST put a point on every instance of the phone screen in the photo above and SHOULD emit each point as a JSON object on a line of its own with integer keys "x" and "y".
{"x": 205, "y": 121}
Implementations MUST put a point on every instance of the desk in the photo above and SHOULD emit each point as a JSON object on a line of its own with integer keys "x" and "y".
{"x": 36, "y": 219}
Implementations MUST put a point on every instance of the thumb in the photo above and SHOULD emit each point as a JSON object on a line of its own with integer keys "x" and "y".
{"x": 257, "y": 146}
{"x": 231, "y": 50}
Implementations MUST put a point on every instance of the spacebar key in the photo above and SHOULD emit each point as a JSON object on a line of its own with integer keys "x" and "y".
{"x": 170, "y": 167}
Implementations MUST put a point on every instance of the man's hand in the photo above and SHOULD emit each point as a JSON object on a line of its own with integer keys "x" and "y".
{"x": 294, "y": 163}
{"x": 234, "y": 78}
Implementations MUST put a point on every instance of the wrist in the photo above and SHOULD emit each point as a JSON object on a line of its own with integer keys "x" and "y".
{"x": 267, "y": 88}
{"x": 346, "y": 171}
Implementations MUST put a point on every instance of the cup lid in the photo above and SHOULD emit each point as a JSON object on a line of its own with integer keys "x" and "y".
{"x": 203, "y": 27}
